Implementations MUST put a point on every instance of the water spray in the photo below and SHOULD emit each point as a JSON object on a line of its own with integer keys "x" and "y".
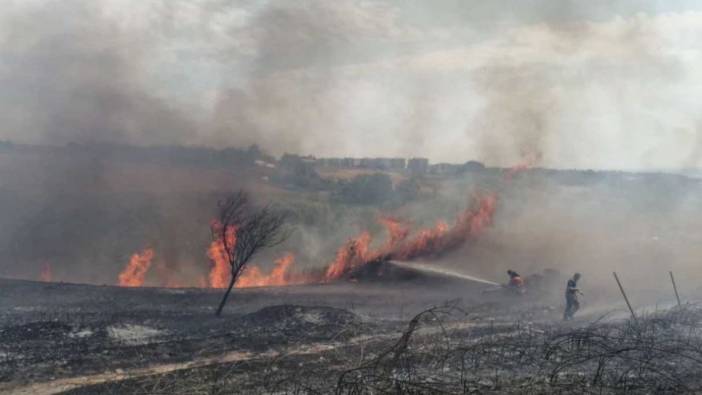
{"x": 427, "y": 268}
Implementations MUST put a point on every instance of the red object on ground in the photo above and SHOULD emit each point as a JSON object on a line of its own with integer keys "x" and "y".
{"x": 516, "y": 282}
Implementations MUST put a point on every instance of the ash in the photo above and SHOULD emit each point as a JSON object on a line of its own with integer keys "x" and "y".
{"x": 347, "y": 338}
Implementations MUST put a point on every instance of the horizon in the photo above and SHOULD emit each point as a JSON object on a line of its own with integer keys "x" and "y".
{"x": 675, "y": 171}
{"x": 597, "y": 85}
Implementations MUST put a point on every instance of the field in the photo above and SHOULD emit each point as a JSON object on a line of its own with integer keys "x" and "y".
{"x": 427, "y": 335}
{"x": 430, "y": 330}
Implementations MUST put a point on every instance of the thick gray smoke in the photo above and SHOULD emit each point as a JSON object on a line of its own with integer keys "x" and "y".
{"x": 72, "y": 74}
{"x": 548, "y": 83}
{"x": 454, "y": 80}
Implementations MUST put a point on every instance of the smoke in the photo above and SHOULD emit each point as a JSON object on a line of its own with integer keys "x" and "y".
{"x": 72, "y": 74}
{"x": 459, "y": 80}
{"x": 578, "y": 94}
{"x": 296, "y": 95}
{"x": 552, "y": 90}
{"x": 553, "y": 83}
{"x": 518, "y": 118}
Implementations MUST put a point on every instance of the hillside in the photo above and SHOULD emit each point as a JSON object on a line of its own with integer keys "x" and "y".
{"x": 84, "y": 212}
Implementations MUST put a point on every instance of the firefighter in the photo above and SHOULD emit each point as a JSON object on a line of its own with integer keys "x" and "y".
{"x": 571, "y": 295}
{"x": 515, "y": 283}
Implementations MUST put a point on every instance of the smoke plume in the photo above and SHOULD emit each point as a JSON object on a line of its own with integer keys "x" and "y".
{"x": 555, "y": 80}
{"x": 547, "y": 83}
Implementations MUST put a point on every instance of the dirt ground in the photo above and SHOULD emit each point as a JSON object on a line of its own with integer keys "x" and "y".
{"x": 84, "y": 339}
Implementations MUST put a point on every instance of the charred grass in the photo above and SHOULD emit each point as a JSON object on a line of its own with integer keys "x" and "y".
{"x": 448, "y": 350}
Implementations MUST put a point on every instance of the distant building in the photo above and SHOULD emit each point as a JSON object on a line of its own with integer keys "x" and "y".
{"x": 446, "y": 169}
{"x": 381, "y": 163}
{"x": 347, "y": 163}
{"x": 329, "y": 162}
{"x": 391, "y": 164}
{"x": 473, "y": 165}
{"x": 418, "y": 165}
{"x": 265, "y": 164}
{"x": 292, "y": 159}
{"x": 398, "y": 163}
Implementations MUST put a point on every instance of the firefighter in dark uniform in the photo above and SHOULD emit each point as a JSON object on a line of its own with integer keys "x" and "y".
{"x": 571, "y": 295}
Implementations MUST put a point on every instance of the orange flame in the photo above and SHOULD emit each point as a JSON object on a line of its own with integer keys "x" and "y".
{"x": 280, "y": 275}
{"x": 352, "y": 255}
{"x": 402, "y": 244}
{"x": 526, "y": 164}
{"x": 397, "y": 229}
{"x": 221, "y": 270}
{"x": 134, "y": 273}
{"x": 434, "y": 241}
{"x": 46, "y": 274}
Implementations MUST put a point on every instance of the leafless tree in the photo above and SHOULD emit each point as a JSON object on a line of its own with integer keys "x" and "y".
{"x": 244, "y": 230}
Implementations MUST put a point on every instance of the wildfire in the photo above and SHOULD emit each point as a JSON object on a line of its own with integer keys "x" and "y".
{"x": 397, "y": 229}
{"x": 221, "y": 270}
{"x": 134, "y": 273}
{"x": 46, "y": 274}
{"x": 434, "y": 241}
{"x": 529, "y": 162}
{"x": 402, "y": 244}
{"x": 280, "y": 275}
{"x": 351, "y": 256}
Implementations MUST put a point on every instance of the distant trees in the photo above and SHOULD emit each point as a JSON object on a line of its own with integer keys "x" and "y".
{"x": 177, "y": 154}
{"x": 407, "y": 190}
{"x": 377, "y": 188}
{"x": 296, "y": 172}
{"x": 366, "y": 189}
{"x": 243, "y": 230}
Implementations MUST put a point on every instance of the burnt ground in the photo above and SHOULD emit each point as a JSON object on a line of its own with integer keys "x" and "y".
{"x": 347, "y": 337}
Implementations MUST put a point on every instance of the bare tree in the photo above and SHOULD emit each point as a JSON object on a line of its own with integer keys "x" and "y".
{"x": 244, "y": 230}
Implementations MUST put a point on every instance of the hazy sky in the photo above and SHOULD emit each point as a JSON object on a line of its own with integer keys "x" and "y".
{"x": 590, "y": 84}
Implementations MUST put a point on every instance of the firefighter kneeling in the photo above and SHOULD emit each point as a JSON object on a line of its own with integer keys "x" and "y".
{"x": 516, "y": 283}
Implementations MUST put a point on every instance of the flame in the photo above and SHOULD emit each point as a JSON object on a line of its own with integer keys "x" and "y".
{"x": 252, "y": 276}
{"x": 444, "y": 238}
{"x": 526, "y": 164}
{"x": 429, "y": 242}
{"x": 280, "y": 275}
{"x": 397, "y": 229}
{"x": 134, "y": 273}
{"x": 352, "y": 255}
{"x": 220, "y": 272}
{"x": 46, "y": 274}
{"x": 401, "y": 244}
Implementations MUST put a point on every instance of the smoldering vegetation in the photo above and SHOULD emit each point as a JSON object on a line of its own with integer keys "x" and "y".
{"x": 659, "y": 352}
{"x": 84, "y": 209}
{"x": 59, "y": 331}
{"x": 450, "y": 349}
{"x": 127, "y": 121}
{"x": 349, "y": 78}
{"x": 84, "y": 339}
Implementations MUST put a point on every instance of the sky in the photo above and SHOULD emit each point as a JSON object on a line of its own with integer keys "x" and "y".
{"x": 557, "y": 83}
